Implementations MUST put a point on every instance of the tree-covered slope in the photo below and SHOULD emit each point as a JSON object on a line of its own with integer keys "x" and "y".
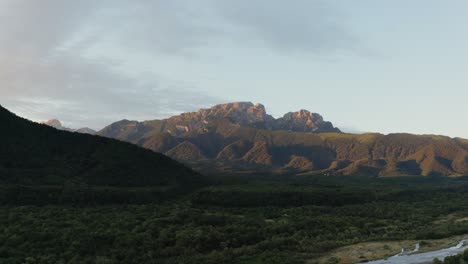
{"x": 37, "y": 154}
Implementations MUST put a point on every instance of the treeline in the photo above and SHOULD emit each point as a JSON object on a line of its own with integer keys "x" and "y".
{"x": 322, "y": 197}
{"x": 335, "y": 196}
{"x": 14, "y": 195}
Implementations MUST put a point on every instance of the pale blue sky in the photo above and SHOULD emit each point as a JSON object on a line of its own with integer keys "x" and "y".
{"x": 366, "y": 65}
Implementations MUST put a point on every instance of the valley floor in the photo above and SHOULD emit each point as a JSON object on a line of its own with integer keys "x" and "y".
{"x": 244, "y": 220}
{"x": 368, "y": 251}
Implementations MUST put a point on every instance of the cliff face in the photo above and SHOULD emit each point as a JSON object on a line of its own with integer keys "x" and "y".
{"x": 247, "y": 114}
{"x": 244, "y": 114}
{"x": 304, "y": 121}
{"x": 243, "y": 133}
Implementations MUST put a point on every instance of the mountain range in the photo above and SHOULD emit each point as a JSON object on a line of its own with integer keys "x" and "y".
{"x": 235, "y": 135}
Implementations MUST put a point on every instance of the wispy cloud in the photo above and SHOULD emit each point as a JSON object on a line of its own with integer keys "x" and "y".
{"x": 293, "y": 26}
{"x": 46, "y": 69}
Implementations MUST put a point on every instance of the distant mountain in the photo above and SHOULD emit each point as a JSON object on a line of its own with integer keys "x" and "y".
{"x": 243, "y": 134}
{"x": 55, "y": 123}
{"x": 86, "y": 130}
{"x": 36, "y": 154}
{"x": 244, "y": 114}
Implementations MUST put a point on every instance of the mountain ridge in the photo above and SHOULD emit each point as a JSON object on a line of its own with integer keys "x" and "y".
{"x": 244, "y": 134}
{"x": 245, "y": 114}
{"x": 37, "y": 154}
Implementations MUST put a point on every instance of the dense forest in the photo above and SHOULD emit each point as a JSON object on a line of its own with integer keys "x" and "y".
{"x": 276, "y": 220}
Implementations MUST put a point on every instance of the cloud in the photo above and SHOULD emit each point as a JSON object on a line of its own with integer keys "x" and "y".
{"x": 292, "y": 26}
{"x": 181, "y": 27}
{"x": 46, "y": 69}
{"x": 95, "y": 115}
{"x": 35, "y": 28}
{"x": 86, "y": 93}
{"x": 44, "y": 74}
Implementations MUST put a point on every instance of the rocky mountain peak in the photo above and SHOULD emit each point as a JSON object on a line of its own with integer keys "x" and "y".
{"x": 304, "y": 116}
{"x": 241, "y": 107}
{"x": 252, "y": 115}
{"x": 236, "y": 105}
{"x": 305, "y": 121}
{"x": 258, "y": 110}
{"x": 241, "y": 113}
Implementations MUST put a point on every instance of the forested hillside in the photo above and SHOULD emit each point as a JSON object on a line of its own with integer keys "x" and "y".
{"x": 35, "y": 154}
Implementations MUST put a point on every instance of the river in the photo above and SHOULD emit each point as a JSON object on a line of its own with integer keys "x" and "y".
{"x": 418, "y": 258}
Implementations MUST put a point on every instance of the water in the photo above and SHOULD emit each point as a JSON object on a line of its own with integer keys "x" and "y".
{"x": 413, "y": 258}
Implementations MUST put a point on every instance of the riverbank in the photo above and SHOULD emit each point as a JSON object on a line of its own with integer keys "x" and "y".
{"x": 368, "y": 251}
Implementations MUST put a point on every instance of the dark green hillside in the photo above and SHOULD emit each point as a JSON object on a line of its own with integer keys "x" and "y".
{"x": 34, "y": 154}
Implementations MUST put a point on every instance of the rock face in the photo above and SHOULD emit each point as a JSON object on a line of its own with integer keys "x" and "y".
{"x": 241, "y": 113}
{"x": 244, "y": 114}
{"x": 55, "y": 123}
{"x": 304, "y": 121}
{"x": 244, "y": 134}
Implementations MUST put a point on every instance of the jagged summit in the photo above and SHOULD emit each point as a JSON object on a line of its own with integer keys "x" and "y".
{"x": 243, "y": 114}
{"x": 247, "y": 114}
{"x": 240, "y": 113}
{"x": 305, "y": 121}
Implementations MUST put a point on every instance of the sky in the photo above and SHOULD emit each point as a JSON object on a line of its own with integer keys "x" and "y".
{"x": 368, "y": 66}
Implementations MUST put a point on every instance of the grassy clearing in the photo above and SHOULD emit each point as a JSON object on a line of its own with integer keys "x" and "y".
{"x": 368, "y": 251}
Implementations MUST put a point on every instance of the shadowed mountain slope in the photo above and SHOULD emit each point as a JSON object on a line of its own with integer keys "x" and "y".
{"x": 36, "y": 154}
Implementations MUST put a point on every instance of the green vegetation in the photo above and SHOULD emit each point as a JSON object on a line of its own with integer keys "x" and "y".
{"x": 33, "y": 154}
{"x": 236, "y": 220}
